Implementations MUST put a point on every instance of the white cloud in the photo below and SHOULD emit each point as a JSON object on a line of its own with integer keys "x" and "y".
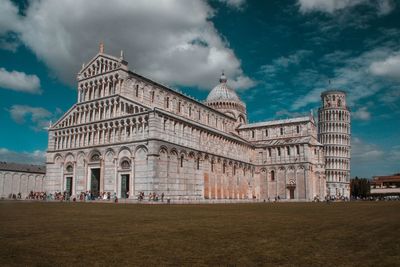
{"x": 236, "y": 4}
{"x": 351, "y": 74}
{"x": 328, "y": 6}
{"x": 361, "y": 114}
{"x": 382, "y": 7}
{"x": 385, "y": 6}
{"x": 389, "y": 67}
{"x": 314, "y": 96}
{"x": 19, "y": 81}
{"x": 171, "y": 41}
{"x": 34, "y": 157}
{"x": 282, "y": 63}
{"x": 37, "y": 117}
{"x": 369, "y": 159}
{"x": 394, "y": 154}
{"x": 364, "y": 152}
{"x": 391, "y": 97}
{"x": 8, "y": 17}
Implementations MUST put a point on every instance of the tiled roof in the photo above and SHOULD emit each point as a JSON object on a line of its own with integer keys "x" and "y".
{"x": 389, "y": 178}
{"x": 17, "y": 167}
{"x": 276, "y": 122}
{"x": 289, "y": 141}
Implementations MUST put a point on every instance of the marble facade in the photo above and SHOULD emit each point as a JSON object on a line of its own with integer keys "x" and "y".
{"x": 130, "y": 134}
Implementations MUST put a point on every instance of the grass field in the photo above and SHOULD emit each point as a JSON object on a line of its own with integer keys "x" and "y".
{"x": 279, "y": 234}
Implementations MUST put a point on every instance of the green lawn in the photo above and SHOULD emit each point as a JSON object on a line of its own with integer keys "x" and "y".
{"x": 284, "y": 234}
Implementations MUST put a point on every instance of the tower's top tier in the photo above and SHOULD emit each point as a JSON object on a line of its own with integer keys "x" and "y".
{"x": 334, "y": 99}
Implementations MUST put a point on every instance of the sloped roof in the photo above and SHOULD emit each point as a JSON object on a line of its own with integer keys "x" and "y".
{"x": 289, "y": 141}
{"x": 276, "y": 122}
{"x": 18, "y": 167}
{"x": 388, "y": 178}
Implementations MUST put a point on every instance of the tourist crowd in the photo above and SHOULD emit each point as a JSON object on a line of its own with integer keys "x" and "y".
{"x": 151, "y": 196}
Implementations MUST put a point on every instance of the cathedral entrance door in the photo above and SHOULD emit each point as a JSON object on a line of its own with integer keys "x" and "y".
{"x": 124, "y": 185}
{"x": 291, "y": 190}
{"x": 95, "y": 183}
{"x": 68, "y": 186}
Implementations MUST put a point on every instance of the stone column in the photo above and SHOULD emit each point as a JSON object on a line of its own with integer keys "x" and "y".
{"x": 132, "y": 179}
{"x": 115, "y": 161}
{"x": 305, "y": 182}
{"x": 101, "y": 174}
{"x": 74, "y": 180}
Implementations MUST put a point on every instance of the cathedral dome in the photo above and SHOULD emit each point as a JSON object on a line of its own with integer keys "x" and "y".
{"x": 224, "y": 99}
{"x": 222, "y": 92}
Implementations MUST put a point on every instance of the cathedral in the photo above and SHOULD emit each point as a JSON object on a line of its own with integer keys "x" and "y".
{"x": 128, "y": 134}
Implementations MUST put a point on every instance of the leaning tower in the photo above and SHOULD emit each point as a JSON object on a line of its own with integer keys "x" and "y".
{"x": 334, "y": 134}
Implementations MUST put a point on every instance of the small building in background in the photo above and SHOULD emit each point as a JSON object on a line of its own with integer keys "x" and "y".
{"x": 386, "y": 185}
{"x": 18, "y": 178}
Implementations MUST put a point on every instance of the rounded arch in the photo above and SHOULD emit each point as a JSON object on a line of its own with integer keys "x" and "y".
{"x": 173, "y": 151}
{"x": 58, "y": 158}
{"x": 124, "y": 151}
{"x": 183, "y": 153}
{"x": 163, "y": 149}
{"x": 70, "y": 154}
{"x": 272, "y": 175}
{"x": 94, "y": 155}
{"x": 140, "y": 149}
{"x": 192, "y": 155}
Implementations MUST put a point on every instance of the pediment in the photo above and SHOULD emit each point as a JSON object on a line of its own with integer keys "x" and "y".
{"x": 101, "y": 63}
{"x": 63, "y": 120}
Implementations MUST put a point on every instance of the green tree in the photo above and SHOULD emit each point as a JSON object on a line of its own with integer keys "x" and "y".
{"x": 359, "y": 187}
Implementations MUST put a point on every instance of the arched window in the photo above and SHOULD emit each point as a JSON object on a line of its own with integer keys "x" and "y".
{"x": 69, "y": 168}
{"x": 167, "y": 102}
{"x": 272, "y": 176}
{"x": 181, "y": 161}
{"x": 298, "y": 129}
{"x": 281, "y": 130}
{"x": 198, "y": 163}
{"x": 266, "y": 132}
{"x": 152, "y": 96}
{"x": 279, "y": 151}
{"x": 252, "y": 134}
{"x": 95, "y": 157}
{"x": 288, "y": 151}
{"x": 125, "y": 164}
{"x": 298, "y": 150}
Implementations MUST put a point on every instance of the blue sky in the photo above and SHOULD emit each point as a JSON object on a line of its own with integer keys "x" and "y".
{"x": 278, "y": 54}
